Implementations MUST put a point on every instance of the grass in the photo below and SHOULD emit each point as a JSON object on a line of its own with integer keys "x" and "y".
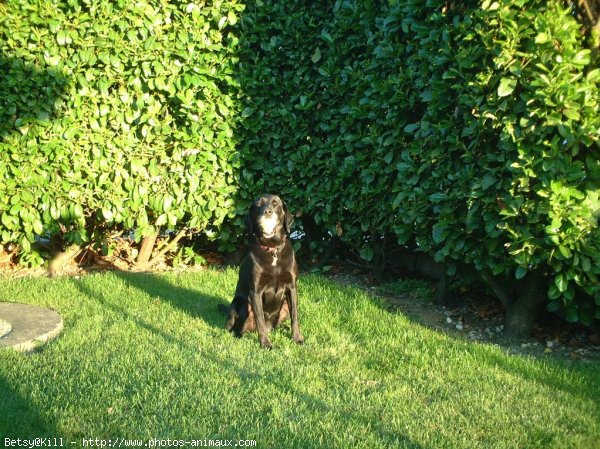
{"x": 415, "y": 289}
{"x": 145, "y": 356}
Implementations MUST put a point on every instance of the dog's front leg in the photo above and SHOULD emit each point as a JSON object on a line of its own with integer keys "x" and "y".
{"x": 293, "y": 307}
{"x": 259, "y": 317}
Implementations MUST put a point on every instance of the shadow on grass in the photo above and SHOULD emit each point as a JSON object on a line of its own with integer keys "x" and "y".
{"x": 577, "y": 381}
{"x": 196, "y": 302}
{"x": 18, "y": 417}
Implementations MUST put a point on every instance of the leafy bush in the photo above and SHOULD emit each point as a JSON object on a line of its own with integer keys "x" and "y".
{"x": 116, "y": 116}
{"x": 462, "y": 130}
{"x": 510, "y": 131}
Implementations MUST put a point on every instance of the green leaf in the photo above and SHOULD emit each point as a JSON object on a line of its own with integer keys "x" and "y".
{"x": 316, "y": 57}
{"x": 78, "y": 211}
{"x": 161, "y": 220}
{"x": 171, "y": 219}
{"x": 566, "y": 252}
{"x": 38, "y": 227}
{"x": 167, "y": 202}
{"x": 61, "y": 37}
{"x": 553, "y": 306}
{"x": 489, "y": 5}
{"x": 104, "y": 109}
{"x": 520, "y": 273}
{"x": 586, "y": 265}
{"x": 55, "y": 212}
{"x": 553, "y": 292}
{"x": 107, "y": 214}
{"x": 231, "y": 17}
{"x": 561, "y": 283}
{"x": 411, "y": 128}
{"x": 52, "y": 61}
{"x": 507, "y": 86}
{"x": 573, "y": 114}
{"x": 366, "y": 253}
{"x": 25, "y": 244}
{"x": 439, "y": 233}
{"x": 70, "y": 132}
{"x": 582, "y": 58}
{"x": 94, "y": 125}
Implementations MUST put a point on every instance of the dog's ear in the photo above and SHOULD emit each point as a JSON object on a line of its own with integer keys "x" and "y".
{"x": 288, "y": 218}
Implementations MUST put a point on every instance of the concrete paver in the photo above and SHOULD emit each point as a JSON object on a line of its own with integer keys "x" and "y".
{"x": 26, "y": 327}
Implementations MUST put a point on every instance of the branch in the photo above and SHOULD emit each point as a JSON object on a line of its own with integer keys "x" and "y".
{"x": 588, "y": 11}
{"x": 498, "y": 290}
{"x": 163, "y": 251}
{"x": 61, "y": 258}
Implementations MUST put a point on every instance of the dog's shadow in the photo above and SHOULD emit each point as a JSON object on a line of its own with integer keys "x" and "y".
{"x": 196, "y": 302}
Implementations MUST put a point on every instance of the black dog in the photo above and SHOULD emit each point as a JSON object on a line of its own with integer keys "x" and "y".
{"x": 266, "y": 290}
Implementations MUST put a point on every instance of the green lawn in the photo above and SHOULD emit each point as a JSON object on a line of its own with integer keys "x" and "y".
{"x": 145, "y": 356}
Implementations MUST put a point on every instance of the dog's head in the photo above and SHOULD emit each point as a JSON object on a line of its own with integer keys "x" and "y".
{"x": 269, "y": 217}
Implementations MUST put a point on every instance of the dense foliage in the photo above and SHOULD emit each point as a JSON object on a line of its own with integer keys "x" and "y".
{"x": 464, "y": 130}
{"x": 115, "y": 115}
{"x": 468, "y": 132}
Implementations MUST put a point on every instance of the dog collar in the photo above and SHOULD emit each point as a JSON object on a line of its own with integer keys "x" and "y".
{"x": 273, "y": 250}
{"x": 270, "y": 249}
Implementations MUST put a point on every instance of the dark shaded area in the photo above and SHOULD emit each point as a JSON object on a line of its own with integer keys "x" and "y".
{"x": 195, "y": 303}
{"x": 588, "y": 13}
{"x": 18, "y": 417}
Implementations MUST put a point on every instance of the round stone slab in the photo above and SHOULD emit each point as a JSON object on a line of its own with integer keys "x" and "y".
{"x": 31, "y": 326}
{"x": 5, "y": 328}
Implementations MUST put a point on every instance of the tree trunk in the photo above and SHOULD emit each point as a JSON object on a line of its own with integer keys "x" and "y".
{"x": 522, "y": 311}
{"x": 441, "y": 293}
{"x": 60, "y": 259}
{"x": 521, "y": 314}
{"x": 146, "y": 250}
{"x": 145, "y": 265}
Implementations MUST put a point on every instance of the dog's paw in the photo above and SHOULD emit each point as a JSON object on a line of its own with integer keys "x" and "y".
{"x": 266, "y": 343}
{"x": 299, "y": 339}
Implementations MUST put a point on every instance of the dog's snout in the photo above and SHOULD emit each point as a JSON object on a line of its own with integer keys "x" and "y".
{"x": 268, "y": 211}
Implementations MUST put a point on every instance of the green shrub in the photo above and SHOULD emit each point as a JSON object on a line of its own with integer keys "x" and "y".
{"x": 467, "y": 131}
{"x": 116, "y": 116}
{"x": 508, "y": 141}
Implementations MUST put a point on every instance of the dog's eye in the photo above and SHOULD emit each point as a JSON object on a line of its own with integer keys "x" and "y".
{"x": 259, "y": 203}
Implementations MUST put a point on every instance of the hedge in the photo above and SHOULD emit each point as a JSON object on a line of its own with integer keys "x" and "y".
{"x": 116, "y": 115}
{"x": 467, "y": 131}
